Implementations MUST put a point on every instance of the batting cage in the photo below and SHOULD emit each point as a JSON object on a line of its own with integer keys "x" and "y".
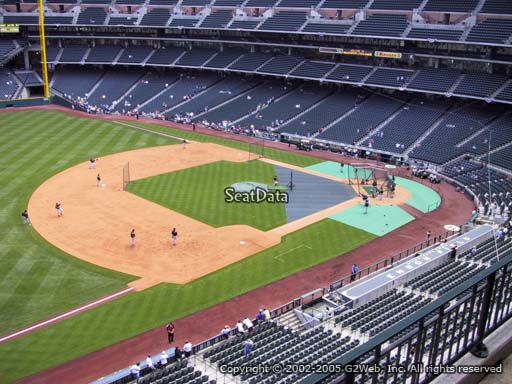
{"x": 256, "y": 149}
{"x": 372, "y": 180}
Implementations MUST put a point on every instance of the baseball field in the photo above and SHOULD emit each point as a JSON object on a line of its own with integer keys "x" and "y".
{"x": 39, "y": 280}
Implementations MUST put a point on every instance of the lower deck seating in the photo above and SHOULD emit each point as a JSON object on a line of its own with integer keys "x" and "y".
{"x": 8, "y": 85}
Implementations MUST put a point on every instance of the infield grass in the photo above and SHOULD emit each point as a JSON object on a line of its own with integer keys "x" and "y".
{"x": 135, "y": 313}
{"x": 36, "y": 279}
{"x": 198, "y": 192}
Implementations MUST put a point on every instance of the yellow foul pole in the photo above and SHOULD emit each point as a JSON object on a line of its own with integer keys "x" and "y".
{"x": 43, "y": 49}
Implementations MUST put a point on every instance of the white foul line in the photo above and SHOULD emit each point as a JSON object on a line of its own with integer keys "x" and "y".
{"x": 277, "y": 257}
{"x": 54, "y": 319}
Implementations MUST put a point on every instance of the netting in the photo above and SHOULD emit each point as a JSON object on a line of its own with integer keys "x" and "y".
{"x": 256, "y": 149}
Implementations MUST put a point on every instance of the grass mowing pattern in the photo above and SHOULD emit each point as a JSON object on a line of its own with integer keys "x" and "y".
{"x": 198, "y": 192}
{"x": 293, "y": 158}
{"x": 36, "y": 279}
{"x": 138, "y": 312}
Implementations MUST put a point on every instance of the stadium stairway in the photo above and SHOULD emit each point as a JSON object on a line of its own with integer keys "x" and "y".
{"x": 116, "y": 59}
{"x": 500, "y": 89}
{"x": 290, "y": 320}
{"x": 254, "y": 112}
{"x": 346, "y": 114}
{"x": 95, "y": 86}
{"x": 381, "y": 125}
{"x": 363, "y": 80}
{"x": 306, "y": 111}
{"x": 484, "y": 128}
{"x": 235, "y": 97}
{"x": 426, "y": 133}
{"x": 86, "y": 55}
{"x": 456, "y": 84}
{"x": 191, "y": 99}
{"x": 147, "y": 58}
{"x": 128, "y": 91}
{"x": 159, "y": 93}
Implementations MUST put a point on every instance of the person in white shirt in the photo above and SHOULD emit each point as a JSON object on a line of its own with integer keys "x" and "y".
{"x": 163, "y": 359}
{"x": 240, "y": 328}
{"x": 187, "y": 348}
{"x": 149, "y": 363}
{"x": 266, "y": 312}
{"x": 248, "y": 324}
{"x": 135, "y": 371}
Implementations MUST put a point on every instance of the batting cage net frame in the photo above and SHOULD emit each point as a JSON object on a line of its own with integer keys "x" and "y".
{"x": 372, "y": 176}
{"x": 126, "y": 175}
{"x": 256, "y": 149}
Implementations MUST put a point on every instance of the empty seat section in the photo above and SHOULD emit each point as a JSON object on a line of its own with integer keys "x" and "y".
{"x": 366, "y": 117}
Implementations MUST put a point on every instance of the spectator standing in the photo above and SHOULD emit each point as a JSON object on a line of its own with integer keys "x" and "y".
{"x": 149, "y": 363}
{"x": 453, "y": 253}
{"x": 248, "y": 345}
{"x": 187, "y": 348}
{"x": 354, "y": 271}
{"x": 266, "y": 312}
{"x": 240, "y": 328}
{"x": 178, "y": 355}
{"x": 135, "y": 371}
{"x": 163, "y": 359}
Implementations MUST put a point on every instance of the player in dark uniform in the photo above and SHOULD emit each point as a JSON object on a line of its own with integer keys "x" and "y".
{"x": 132, "y": 238}
{"x": 174, "y": 234}
{"x": 24, "y": 214}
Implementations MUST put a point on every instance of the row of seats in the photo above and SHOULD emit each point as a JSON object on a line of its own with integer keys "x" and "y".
{"x": 482, "y": 85}
{"x": 462, "y": 6}
{"x": 490, "y": 30}
{"x": 400, "y": 122}
{"x": 490, "y": 186}
{"x": 8, "y": 85}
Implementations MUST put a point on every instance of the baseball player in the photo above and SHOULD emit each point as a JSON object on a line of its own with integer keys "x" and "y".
{"x": 132, "y": 238}
{"x": 174, "y": 234}
{"x": 24, "y": 214}
{"x": 98, "y": 180}
{"x": 92, "y": 163}
{"x": 58, "y": 207}
{"x": 184, "y": 143}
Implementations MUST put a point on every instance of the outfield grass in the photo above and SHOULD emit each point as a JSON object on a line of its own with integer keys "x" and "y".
{"x": 198, "y": 192}
{"x": 138, "y": 312}
{"x": 288, "y": 157}
{"x": 36, "y": 279}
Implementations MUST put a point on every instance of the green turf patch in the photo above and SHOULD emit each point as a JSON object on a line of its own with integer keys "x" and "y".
{"x": 380, "y": 219}
{"x": 198, "y": 192}
{"x": 423, "y": 198}
{"x": 270, "y": 153}
{"x": 138, "y": 312}
{"x": 36, "y": 279}
{"x": 343, "y": 172}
